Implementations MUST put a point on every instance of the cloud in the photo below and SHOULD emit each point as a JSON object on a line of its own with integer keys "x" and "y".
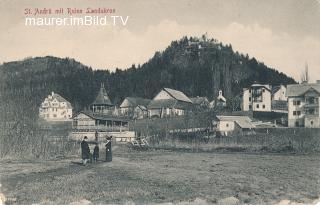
{"x": 111, "y": 47}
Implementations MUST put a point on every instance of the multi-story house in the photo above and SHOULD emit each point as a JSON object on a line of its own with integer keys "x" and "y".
{"x": 303, "y": 105}
{"x": 257, "y": 98}
{"x": 265, "y": 98}
{"x": 55, "y": 108}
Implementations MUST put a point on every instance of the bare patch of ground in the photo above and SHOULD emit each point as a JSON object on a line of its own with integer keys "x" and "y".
{"x": 143, "y": 177}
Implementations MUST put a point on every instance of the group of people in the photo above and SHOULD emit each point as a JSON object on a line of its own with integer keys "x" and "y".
{"x": 88, "y": 157}
{"x": 85, "y": 152}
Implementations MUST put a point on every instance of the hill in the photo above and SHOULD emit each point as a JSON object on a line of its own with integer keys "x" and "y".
{"x": 196, "y": 66}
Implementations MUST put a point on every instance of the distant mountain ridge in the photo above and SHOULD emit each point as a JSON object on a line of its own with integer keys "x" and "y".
{"x": 196, "y": 66}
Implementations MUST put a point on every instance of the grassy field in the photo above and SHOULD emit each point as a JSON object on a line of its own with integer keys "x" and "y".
{"x": 143, "y": 177}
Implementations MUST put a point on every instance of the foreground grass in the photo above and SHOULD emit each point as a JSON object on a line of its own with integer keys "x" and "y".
{"x": 163, "y": 176}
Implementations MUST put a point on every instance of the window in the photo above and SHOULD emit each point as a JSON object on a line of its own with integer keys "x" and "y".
{"x": 249, "y": 90}
{"x": 263, "y": 106}
{"x": 298, "y": 113}
{"x": 249, "y": 99}
{"x": 227, "y": 125}
{"x": 296, "y": 102}
{"x": 297, "y": 124}
{"x": 294, "y": 112}
{"x": 257, "y": 105}
{"x": 263, "y": 90}
{"x": 54, "y": 115}
{"x": 311, "y": 122}
{"x": 250, "y": 107}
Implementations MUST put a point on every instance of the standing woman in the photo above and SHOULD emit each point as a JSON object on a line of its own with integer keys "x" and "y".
{"x": 85, "y": 150}
{"x": 108, "y": 149}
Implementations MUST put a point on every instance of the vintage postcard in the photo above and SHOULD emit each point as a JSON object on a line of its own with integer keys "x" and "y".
{"x": 137, "y": 102}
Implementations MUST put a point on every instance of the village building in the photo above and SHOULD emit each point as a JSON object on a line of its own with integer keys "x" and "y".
{"x": 226, "y": 125}
{"x": 279, "y": 93}
{"x": 55, "y": 108}
{"x": 257, "y": 98}
{"x": 221, "y": 100}
{"x": 134, "y": 107}
{"x": 101, "y": 121}
{"x": 265, "y": 98}
{"x": 200, "y": 103}
{"x": 102, "y": 104}
{"x": 279, "y": 100}
{"x": 303, "y": 105}
{"x": 169, "y": 102}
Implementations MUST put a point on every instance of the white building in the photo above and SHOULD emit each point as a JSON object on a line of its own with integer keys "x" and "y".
{"x": 279, "y": 93}
{"x": 55, "y": 108}
{"x": 264, "y": 98}
{"x": 221, "y": 100}
{"x": 303, "y": 105}
{"x": 134, "y": 107}
{"x": 231, "y": 124}
{"x": 169, "y": 102}
{"x": 257, "y": 98}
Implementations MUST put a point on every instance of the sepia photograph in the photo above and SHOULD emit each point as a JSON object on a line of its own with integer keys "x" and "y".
{"x": 161, "y": 102}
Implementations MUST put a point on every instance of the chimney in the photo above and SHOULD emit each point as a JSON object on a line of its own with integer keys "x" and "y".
{"x": 52, "y": 93}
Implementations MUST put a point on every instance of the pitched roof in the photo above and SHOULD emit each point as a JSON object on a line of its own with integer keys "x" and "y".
{"x": 242, "y": 121}
{"x": 61, "y": 99}
{"x": 199, "y": 100}
{"x": 275, "y": 89}
{"x": 299, "y": 89}
{"x": 102, "y": 98}
{"x": 136, "y": 101}
{"x": 167, "y": 103}
{"x": 178, "y": 95}
{"x": 261, "y": 85}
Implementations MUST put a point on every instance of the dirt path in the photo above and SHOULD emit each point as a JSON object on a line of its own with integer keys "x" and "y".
{"x": 157, "y": 176}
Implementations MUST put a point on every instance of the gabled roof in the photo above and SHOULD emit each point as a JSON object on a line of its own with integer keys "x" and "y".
{"x": 295, "y": 90}
{"x": 167, "y": 103}
{"x": 242, "y": 121}
{"x": 61, "y": 99}
{"x": 261, "y": 85}
{"x": 199, "y": 100}
{"x": 136, "y": 101}
{"x": 102, "y": 98}
{"x": 275, "y": 89}
{"x": 178, "y": 95}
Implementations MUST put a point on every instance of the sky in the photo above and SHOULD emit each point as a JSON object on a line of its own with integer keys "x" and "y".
{"x": 284, "y": 35}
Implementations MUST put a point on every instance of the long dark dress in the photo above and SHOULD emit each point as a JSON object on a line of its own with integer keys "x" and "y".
{"x": 85, "y": 150}
{"x": 108, "y": 151}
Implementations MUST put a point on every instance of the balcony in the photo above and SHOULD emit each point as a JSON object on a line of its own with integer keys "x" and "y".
{"x": 309, "y": 111}
{"x": 311, "y": 102}
{"x": 104, "y": 128}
